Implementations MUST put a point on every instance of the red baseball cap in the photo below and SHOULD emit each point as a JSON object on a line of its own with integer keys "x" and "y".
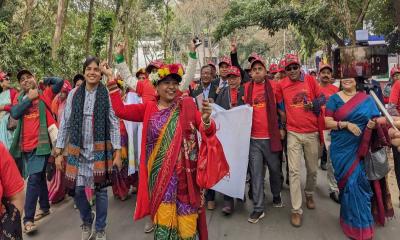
{"x": 4, "y": 75}
{"x": 226, "y": 60}
{"x": 252, "y": 56}
{"x": 141, "y": 71}
{"x": 211, "y": 63}
{"x": 258, "y": 59}
{"x": 291, "y": 59}
{"x": 154, "y": 64}
{"x": 234, "y": 71}
{"x": 66, "y": 87}
{"x": 273, "y": 68}
{"x": 281, "y": 65}
{"x": 395, "y": 69}
{"x": 323, "y": 66}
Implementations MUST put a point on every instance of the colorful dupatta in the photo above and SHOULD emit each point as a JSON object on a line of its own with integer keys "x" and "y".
{"x": 355, "y": 192}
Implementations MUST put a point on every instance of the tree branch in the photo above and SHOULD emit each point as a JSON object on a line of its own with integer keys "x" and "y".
{"x": 362, "y": 13}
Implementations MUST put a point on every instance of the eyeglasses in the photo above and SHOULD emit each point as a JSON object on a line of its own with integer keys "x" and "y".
{"x": 4, "y": 79}
{"x": 292, "y": 68}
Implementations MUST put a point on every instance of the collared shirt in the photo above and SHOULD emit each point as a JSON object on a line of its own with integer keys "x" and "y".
{"x": 86, "y": 159}
{"x": 222, "y": 83}
{"x": 206, "y": 91}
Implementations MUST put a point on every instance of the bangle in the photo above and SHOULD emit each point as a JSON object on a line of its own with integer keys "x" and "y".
{"x": 119, "y": 58}
{"x": 338, "y": 125}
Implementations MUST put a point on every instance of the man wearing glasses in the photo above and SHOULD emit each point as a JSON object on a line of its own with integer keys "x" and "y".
{"x": 31, "y": 143}
{"x": 299, "y": 101}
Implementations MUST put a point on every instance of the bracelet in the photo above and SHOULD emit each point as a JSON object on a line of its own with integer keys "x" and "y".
{"x": 206, "y": 124}
{"x": 338, "y": 125}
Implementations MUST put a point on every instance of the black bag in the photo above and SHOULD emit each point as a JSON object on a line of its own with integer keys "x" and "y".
{"x": 376, "y": 164}
{"x": 10, "y": 225}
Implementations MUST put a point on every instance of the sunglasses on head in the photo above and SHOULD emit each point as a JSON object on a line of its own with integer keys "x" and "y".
{"x": 292, "y": 68}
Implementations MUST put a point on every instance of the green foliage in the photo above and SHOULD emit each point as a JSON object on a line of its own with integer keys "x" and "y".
{"x": 104, "y": 24}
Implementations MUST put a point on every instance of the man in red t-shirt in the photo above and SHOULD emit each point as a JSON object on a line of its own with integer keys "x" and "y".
{"x": 32, "y": 144}
{"x": 265, "y": 142}
{"x": 299, "y": 100}
{"x": 328, "y": 89}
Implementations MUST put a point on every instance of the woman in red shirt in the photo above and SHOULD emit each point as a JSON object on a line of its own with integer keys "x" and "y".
{"x": 12, "y": 196}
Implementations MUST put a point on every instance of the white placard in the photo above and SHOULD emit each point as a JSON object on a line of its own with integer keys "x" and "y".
{"x": 233, "y": 131}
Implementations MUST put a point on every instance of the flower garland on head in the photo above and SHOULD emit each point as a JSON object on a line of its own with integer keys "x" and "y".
{"x": 164, "y": 71}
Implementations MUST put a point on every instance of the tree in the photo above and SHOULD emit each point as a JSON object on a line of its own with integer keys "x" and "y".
{"x": 27, "y": 19}
{"x": 89, "y": 27}
{"x": 61, "y": 12}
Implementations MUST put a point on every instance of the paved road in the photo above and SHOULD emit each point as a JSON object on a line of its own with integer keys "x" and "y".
{"x": 321, "y": 223}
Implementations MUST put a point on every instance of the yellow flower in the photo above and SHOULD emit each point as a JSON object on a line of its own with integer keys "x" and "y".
{"x": 180, "y": 72}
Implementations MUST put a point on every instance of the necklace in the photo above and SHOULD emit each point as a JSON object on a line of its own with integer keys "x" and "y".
{"x": 349, "y": 95}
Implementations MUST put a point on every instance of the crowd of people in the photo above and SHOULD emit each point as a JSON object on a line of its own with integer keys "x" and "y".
{"x": 72, "y": 138}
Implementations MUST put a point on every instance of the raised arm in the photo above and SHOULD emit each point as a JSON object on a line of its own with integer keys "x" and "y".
{"x": 235, "y": 62}
{"x": 190, "y": 68}
{"x": 123, "y": 68}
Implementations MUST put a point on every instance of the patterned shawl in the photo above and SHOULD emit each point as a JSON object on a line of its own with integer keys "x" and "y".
{"x": 101, "y": 136}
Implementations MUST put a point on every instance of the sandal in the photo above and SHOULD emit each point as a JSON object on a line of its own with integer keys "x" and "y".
{"x": 29, "y": 227}
{"x": 41, "y": 214}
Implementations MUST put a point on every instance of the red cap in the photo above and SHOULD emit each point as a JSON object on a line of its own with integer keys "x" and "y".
{"x": 226, "y": 60}
{"x": 273, "y": 68}
{"x": 4, "y": 75}
{"x": 252, "y": 56}
{"x": 291, "y": 59}
{"x": 211, "y": 63}
{"x": 66, "y": 87}
{"x": 258, "y": 59}
{"x": 234, "y": 71}
{"x": 395, "y": 69}
{"x": 323, "y": 66}
{"x": 154, "y": 64}
{"x": 141, "y": 71}
{"x": 281, "y": 65}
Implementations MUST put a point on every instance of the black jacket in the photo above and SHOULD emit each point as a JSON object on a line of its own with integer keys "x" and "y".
{"x": 223, "y": 98}
{"x": 199, "y": 90}
{"x": 235, "y": 62}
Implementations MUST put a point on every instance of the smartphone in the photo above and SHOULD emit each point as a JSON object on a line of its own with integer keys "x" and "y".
{"x": 199, "y": 101}
{"x": 197, "y": 42}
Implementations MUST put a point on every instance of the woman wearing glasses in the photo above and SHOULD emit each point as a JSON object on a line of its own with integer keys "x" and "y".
{"x": 7, "y": 96}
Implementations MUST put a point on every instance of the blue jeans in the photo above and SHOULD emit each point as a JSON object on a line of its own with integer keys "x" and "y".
{"x": 36, "y": 189}
{"x": 85, "y": 209}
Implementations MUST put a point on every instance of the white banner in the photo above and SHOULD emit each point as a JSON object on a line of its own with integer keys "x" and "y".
{"x": 134, "y": 130}
{"x": 233, "y": 131}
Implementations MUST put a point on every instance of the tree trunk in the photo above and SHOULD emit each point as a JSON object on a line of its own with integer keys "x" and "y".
{"x": 396, "y": 5}
{"x": 89, "y": 28}
{"x": 111, "y": 41}
{"x": 27, "y": 19}
{"x": 2, "y": 3}
{"x": 61, "y": 11}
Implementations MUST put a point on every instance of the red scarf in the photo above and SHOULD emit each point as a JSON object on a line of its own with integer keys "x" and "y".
{"x": 272, "y": 114}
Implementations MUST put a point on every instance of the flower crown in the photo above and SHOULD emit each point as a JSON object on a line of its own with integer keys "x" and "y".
{"x": 165, "y": 70}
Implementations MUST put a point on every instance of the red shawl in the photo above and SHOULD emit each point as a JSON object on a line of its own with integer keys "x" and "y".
{"x": 272, "y": 114}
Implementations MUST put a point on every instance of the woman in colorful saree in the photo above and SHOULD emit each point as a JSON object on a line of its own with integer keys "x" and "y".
{"x": 167, "y": 181}
{"x": 348, "y": 113}
{"x": 7, "y": 97}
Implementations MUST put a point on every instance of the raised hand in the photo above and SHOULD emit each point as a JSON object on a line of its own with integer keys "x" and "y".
{"x": 106, "y": 70}
{"x": 206, "y": 111}
{"x": 120, "y": 48}
{"x": 33, "y": 94}
{"x": 233, "y": 45}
